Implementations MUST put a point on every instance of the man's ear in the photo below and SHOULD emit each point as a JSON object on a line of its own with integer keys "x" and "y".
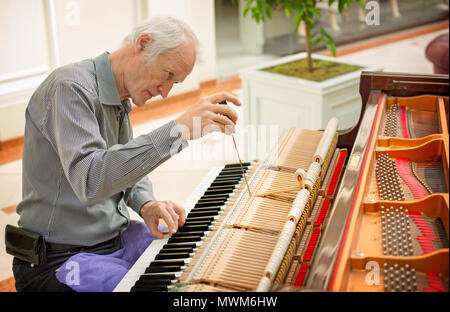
{"x": 142, "y": 42}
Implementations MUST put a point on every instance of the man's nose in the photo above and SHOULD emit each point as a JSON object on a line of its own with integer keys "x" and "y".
{"x": 165, "y": 89}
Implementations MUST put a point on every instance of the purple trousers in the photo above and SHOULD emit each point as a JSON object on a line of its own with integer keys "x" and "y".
{"x": 87, "y": 272}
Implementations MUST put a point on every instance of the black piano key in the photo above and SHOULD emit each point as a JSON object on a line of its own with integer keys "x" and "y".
{"x": 214, "y": 197}
{"x": 143, "y": 280}
{"x": 199, "y": 223}
{"x": 147, "y": 288}
{"x": 203, "y": 213}
{"x": 193, "y": 238}
{"x": 166, "y": 263}
{"x": 211, "y": 188}
{"x": 184, "y": 234}
{"x": 200, "y": 209}
{"x": 156, "y": 276}
{"x": 225, "y": 183}
{"x": 233, "y": 181}
{"x": 179, "y": 244}
{"x": 211, "y": 203}
{"x": 223, "y": 189}
{"x": 217, "y": 203}
{"x": 244, "y": 164}
{"x": 199, "y": 220}
{"x": 176, "y": 249}
{"x": 174, "y": 255}
{"x": 163, "y": 269}
{"x": 228, "y": 176}
{"x": 189, "y": 228}
{"x": 235, "y": 168}
{"x": 224, "y": 196}
{"x": 231, "y": 171}
{"x": 194, "y": 218}
{"x": 218, "y": 191}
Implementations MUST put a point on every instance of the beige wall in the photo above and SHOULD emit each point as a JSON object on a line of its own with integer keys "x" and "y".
{"x": 37, "y": 36}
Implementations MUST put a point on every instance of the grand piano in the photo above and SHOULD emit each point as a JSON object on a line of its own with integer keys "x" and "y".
{"x": 364, "y": 209}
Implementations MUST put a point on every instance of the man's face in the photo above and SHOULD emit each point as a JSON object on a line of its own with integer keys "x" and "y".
{"x": 157, "y": 78}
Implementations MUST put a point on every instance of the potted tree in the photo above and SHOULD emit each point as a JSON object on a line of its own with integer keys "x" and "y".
{"x": 302, "y": 90}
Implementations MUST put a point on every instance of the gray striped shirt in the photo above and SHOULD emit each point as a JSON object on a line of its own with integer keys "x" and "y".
{"x": 81, "y": 165}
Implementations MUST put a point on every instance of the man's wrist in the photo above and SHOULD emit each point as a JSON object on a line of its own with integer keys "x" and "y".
{"x": 143, "y": 205}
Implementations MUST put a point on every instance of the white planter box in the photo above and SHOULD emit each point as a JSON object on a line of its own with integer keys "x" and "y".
{"x": 274, "y": 99}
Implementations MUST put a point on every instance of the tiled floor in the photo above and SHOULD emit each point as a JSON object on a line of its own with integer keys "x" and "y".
{"x": 179, "y": 176}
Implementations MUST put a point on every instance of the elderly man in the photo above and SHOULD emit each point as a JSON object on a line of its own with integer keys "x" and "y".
{"x": 82, "y": 167}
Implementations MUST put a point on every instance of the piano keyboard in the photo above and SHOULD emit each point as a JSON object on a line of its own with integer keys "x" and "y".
{"x": 161, "y": 264}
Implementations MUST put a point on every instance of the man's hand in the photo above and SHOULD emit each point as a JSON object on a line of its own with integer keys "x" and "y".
{"x": 171, "y": 213}
{"x": 208, "y": 116}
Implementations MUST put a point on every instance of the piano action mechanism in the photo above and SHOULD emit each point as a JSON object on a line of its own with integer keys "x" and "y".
{"x": 359, "y": 210}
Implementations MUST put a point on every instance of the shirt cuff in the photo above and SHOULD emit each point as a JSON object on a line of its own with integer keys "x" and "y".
{"x": 168, "y": 140}
{"x": 139, "y": 199}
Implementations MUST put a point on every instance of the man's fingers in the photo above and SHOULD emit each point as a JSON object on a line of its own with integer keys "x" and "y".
{"x": 172, "y": 214}
{"x": 153, "y": 226}
{"x": 224, "y": 96}
{"x": 168, "y": 218}
{"x": 226, "y": 111}
{"x": 181, "y": 212}
{"x": 222, "y": 120}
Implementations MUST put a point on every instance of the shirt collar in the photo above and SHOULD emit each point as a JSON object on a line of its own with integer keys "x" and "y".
{"x": 107, "y": 88}
{"x": 127, "y": 105}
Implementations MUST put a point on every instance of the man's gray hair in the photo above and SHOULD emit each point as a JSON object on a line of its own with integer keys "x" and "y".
{"x": 167, "y": 34}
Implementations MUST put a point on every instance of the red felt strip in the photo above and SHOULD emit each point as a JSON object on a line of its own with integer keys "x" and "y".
{"x": 403, "y": 122}
{"x": 336, "y": 173}
{"x": 322, "y": 213}
{"x": 434, "y": 281}
{"x": 301, "y": 275}
{"x": 403, "y": 170}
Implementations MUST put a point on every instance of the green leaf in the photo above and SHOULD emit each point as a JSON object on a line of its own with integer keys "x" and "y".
{"x": 331, "y": 47}
{"x": 268, "y": 12}
{"x": 298, "y": 18}
{"x": 316, "y": 12}
{"x": 325, "y": 35}
{"x": 260, "y": 5}
{"x": 316, "y": 42}
{"x": 246, "y": 9}
{"x": 287, "y": 12}
{"x": 361, "y": 3}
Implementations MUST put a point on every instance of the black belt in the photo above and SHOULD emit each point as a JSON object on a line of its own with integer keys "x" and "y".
{"x": 56, "y": 247}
